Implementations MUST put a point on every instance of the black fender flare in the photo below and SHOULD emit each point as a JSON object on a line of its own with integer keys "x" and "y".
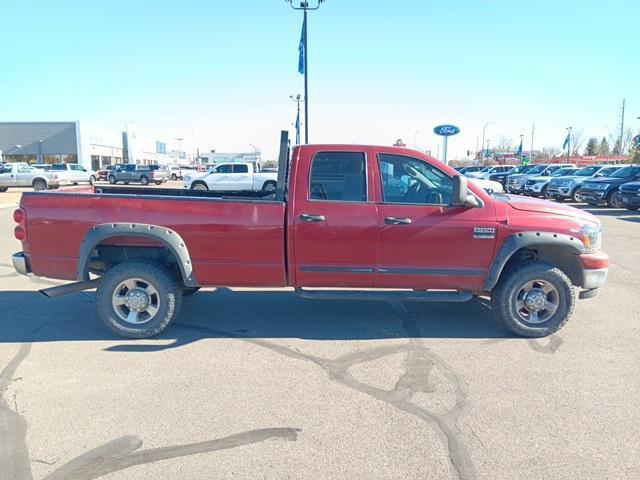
{"x": 524, "y": 239}
{"x": 169, "y": 238}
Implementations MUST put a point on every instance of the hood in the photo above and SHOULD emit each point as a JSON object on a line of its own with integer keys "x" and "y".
{"x": 610, "y": 180}
{"x": 529, "y": 204}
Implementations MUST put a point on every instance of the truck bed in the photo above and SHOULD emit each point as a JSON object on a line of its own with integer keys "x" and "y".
{"x": 233, "y": 238}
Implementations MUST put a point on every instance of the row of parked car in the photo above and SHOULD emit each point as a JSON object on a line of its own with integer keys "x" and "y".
{"x": 43, "y": 177}
{"x": 616, "y": 186}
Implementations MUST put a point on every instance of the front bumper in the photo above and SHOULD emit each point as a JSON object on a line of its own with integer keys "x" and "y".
{"x": 595, "y": 197}
{"x": 21, "y": 263}
{"x": 564, "y": 192}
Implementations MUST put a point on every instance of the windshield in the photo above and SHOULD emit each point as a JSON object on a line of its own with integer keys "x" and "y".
{"x": 486, "y": 169}
{"x": 537, "y": 169}
{"x": 587, "y": 171}
{"x": 626, "y": 172}
{"x": 563, "y": 171}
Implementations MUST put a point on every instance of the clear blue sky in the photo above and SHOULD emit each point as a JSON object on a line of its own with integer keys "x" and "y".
{"x": 220, "y": 73}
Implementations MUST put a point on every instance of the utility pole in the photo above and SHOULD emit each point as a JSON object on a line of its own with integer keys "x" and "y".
{"x": 304, "y": 47}
{"x": 297, "y": 99}
{"x": 533, "y": 131}
{"x": 622, "y": 129}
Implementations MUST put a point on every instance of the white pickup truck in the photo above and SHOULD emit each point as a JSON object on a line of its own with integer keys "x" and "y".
{"x": 74, "y": 173}
{"x": 21, "y": 175}
{"x": 232, "y": 177}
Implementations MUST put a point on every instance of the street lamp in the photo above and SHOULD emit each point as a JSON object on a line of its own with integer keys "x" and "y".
{"x": 179, "y": 140}
{"x": 297, "y": 99}
{"x": 303, "y": 66}
{"x": 483, "y": 132}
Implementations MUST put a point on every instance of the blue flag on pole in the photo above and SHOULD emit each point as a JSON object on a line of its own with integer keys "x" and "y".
{"x": 298, "y": 129}
{"x": 303, "y": 54}
{"x": 566, "y": 141}
{"x": 520, "y": 148}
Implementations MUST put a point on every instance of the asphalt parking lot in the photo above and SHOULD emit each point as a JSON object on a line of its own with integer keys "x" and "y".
{"x": 263, "y": 384}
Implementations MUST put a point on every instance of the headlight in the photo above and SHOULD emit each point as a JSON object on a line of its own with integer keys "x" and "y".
{"x": 591, "y": 237}
{"x": 603, "y": 186}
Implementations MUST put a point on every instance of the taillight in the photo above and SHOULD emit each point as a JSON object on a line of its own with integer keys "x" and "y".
{"x": 18, "y": 216}
{"x": 19, "y": 233}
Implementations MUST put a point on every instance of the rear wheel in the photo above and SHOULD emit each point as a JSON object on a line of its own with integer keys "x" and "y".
{"x": 144, "y": 180}
{"x": 534, "y": 299}
{"x": 138, "y": 299}
{"x": 199, "y": 186}
{"x": 112, "y": 180}
{"x": 39, "y": 185}
{"x": 269, "y": 187}
{"x": 3, "y": 189}
{"x": 614, "y": 200}
{"x": 174, "y": 177}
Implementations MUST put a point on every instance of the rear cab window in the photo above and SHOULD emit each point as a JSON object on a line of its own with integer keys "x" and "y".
{"x": 338, "y": 177}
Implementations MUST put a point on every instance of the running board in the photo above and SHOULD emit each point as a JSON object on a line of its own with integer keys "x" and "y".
{"x": 69, "y": 288}
{"x": 386, "y": 295}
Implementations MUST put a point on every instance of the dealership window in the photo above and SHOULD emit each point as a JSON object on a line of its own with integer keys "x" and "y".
{"x": 95, "y": 162}
{"x": 72, "y": 158}
{"x": 106, "y": 161}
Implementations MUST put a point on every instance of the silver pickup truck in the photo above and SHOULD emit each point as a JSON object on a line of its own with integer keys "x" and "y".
{"x": 21, "y": 175}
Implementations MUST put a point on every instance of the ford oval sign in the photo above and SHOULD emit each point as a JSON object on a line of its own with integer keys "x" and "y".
{"x": 446, "y": 130}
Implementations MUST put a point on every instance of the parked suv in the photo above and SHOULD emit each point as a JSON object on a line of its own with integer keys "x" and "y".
{"x": 74, "y": 173}
{"x": 515, "y": 183}
{"x": 570, "y": 186}
{"x": 486, "y": 172}
{"x": 537, "y": 186}
{"x": 143, "y": 174}
{"x": 606, "y": 190}
{"x": 630, "y": 195}
{"x": 501, "y": 177}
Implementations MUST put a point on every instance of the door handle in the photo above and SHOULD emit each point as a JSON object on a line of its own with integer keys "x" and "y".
{"x": 305, "y": 217}
{"x": 397, "y": 221}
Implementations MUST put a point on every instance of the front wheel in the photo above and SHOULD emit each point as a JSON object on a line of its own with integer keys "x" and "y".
{"x": 534, "y": 299}
{"x": 576, "y": 195}
{"x": 174, "y": 177}
{"x": 614, "y": 200}
{"x": 3, "y": 189}
{"x": 112, "y": 180}
{"x": 138, "y": 299}
{"x": 199, "y": 186}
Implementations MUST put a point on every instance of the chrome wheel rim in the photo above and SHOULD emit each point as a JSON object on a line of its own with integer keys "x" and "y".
{"x": 537, "y": 301}
{"x": 615, "y": 200}
{"x": 199, "y": 186}
{"x": 136, "y": 301}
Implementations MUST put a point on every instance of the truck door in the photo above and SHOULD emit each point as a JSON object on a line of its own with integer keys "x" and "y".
{"x": 23, "y": 176}
{"x": 334, "y": 220}
{"x": 7, "y": 175}
{"x": 241, "y": 178}
{"x": 220, "y": 177}
{"x": 424, "y": 243}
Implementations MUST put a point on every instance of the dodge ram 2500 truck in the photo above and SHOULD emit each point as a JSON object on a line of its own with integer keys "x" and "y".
{"x": 345, "y": 222}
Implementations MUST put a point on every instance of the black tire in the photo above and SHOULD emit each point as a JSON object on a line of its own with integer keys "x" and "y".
{"x": 507, "y": 295}
{"x": 112, "y": 180}
{"x": 575, "y": 195}
{"x": 3, "y": 189}
{"x": 269, "y": 186}
{"x": 614, "y": 200}
{"x": 199, "y": 186}
{"x": 39, "y": 185}
{"x": 188, "y": 291}
{"x": 169, "y": 298}
{"x": 92, "y": 180}
{"x": 543, "y": 192}
{"x": 174, "y": 177}
{"x": 144, "y": 180}
{"x": 158, "y": 183}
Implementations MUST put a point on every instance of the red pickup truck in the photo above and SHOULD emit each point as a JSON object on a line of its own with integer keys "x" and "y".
{"x": 346, "y": 221}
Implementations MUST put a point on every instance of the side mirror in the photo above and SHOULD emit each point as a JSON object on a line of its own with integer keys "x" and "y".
{"x": 460, "y": 196}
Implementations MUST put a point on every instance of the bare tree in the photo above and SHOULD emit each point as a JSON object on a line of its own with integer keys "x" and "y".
{"x": 549, "y": 153}
{"x": 504, "y": 143}
{"x": 627, "y": 139}
{"x": 577, "y": 140}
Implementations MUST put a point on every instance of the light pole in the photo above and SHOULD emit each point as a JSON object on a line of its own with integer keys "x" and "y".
{"x": 303, "y": 66}
{"x": 483, "y": 133}
{"x": 179, "y": 140}
{"x": 297, "y": 99}
{"x": 415, "y": 136}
